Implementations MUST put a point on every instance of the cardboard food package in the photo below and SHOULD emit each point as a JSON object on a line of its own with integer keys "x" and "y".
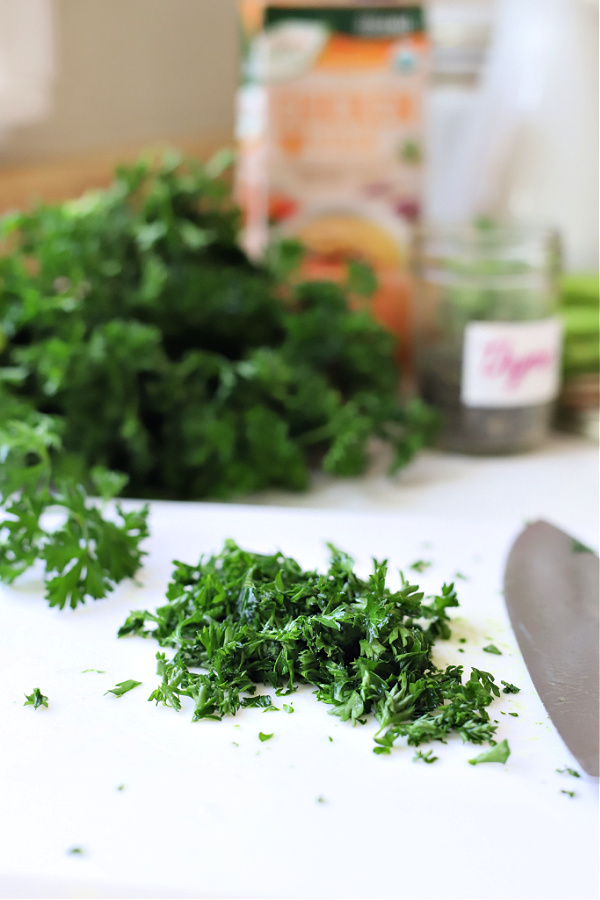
{"x": 330, "y": 137}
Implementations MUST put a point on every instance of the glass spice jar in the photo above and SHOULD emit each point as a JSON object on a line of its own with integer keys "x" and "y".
{"x": 488, "y": 337}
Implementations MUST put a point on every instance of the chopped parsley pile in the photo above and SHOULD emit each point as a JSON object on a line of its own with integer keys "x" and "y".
{"x": 245, "y": 620}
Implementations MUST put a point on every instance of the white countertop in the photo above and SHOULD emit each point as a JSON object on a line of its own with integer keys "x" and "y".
{"x": 208, "y": 811}
{"x": 558, "y": 482}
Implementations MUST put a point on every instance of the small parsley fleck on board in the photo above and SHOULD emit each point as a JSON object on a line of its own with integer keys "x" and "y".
{"x": 321, "y": 799}
{"x": 288, "y": 708}
{"x": 499, "y": 753}
{"x": 426, "y": 756}
{"x": 265, "y": 737}
{"x": 122, "y": 687}
{"x": 121, "y": 787}
{"x": 36, "y": 699}
{"x": 262, "y": 701}
{"x": 568, "y": 793}
{"x": 491, "y": 648}
{"x": 578, "y": 547}
{"x": 75, "y": 851}
{"x": 99, "y": 671}
{"x": 421, "y": 565}
{"x": 510, "y": 688}
{"x": 569, "y": 771}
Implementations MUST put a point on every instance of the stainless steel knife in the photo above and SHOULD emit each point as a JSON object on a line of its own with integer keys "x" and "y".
{"x": 551, "y": 587}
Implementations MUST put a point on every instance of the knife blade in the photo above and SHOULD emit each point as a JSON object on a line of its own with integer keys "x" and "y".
{"x": 551, "y": 588}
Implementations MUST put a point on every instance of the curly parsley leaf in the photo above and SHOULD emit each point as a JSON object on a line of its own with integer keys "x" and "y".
{"x": 361, "y": 279}
{"x": 498, "y": 753}
{"x": 122, "y": 687}
{"x": 421, "y": 565}
{"x": 578, "y": 547}
{"x": 427, "y": 756}
{"x": 36, "y": 699}
{"x": 263, "y": 702}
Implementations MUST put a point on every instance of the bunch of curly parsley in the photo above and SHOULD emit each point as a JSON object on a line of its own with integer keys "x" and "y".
{"x": 137, "y": 337}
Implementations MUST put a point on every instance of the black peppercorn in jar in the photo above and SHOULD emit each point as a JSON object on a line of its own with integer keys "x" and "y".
{"x": 488, "y": 342}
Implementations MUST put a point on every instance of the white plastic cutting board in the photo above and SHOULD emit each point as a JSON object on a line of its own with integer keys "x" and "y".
{"x": 207, "y": 810}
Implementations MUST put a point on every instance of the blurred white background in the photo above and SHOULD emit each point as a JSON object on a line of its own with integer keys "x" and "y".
{"x": 513, "y": 111}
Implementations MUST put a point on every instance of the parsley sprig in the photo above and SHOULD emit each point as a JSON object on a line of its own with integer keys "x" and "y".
{"x": 85, "y": 553}
{"x": 246, "y": 619}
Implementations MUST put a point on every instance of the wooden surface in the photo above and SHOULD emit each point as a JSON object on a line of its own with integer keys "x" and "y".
{"x": 63, "y": 178}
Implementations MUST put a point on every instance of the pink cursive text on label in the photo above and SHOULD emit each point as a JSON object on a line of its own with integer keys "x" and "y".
{"x": 500, "y": 360}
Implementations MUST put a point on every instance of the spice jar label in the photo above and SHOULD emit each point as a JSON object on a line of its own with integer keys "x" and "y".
{"x": 511, "y": 364}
